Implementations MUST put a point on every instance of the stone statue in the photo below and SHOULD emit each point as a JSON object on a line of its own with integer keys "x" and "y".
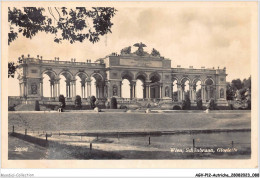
{"x": 140, "y": 51}
{"x": 114, "y": 90}
{"x": 221, "y": 93}
{"x": 155, "y": 53}
{"x": 126, "y": 50}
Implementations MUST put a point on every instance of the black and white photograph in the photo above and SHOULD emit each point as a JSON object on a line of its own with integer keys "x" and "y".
{"x": 130, "y": 81}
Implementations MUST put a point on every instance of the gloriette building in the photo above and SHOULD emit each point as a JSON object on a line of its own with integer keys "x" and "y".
{"x": 154, "y": 71}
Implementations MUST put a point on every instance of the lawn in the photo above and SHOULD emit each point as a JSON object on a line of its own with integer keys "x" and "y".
{"x": 126, "y": 122}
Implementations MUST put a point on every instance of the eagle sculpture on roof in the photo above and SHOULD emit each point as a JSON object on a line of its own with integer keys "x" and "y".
{"x": 140, "y": 50}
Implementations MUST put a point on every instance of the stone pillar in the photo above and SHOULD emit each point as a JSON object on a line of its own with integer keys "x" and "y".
{"x": 190, "y": 92}
{"x": 74, "y": 89}
{"x": 41, "y": 89}
{"x": 120, "y": 89}
{"x": 58, "y": 88}
{"x": 160, "y": 90}
{"x": 133, "y": 89}
{"x": 89, "y": 88}
{"x": 50, "y": 89}
{"x": 71, "y": 89}
{"x": 179, "y": 92}
{"x": 97, "y": 91}
{"x": 203, "y": 93}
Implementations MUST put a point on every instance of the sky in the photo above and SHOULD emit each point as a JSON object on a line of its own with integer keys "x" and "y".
{"x": 189, "y": 36}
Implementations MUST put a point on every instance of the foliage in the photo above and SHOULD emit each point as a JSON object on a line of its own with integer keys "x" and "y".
{"x": 62, "y": 101}
{"x": 113, "y": 103}
{"x": 237, "y": 84}
{"x": 186, "y": 103}
{"x": 78, "y": 103}
{"x": 239, "y": 90}
{"x": 211, "y": 105}
{"x": 92, "y": 102}
{"x": 199, "y": 104}
{"x": 198, "y": 93}
{"x": 175, "y": 96}
{"x": 230, "y": 92}
{"x": 11, "y": 108}
{"x": 107, "y": 104}
{"x": 67, "y": 24}
{"x": 176, "y": 107}
{"x": 11, "y": 69}
{"x": 37, "y": 106}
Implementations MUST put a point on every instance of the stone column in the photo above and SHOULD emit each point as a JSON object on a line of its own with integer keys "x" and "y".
{"x": 160, "y": 90}
{"x": 89, "y": 88}
{"x": 179, "y": 92}
{"x": 58, "y": 88}
{"x": 203, "y": 93}
{"x": 133, "y": 89}
{"x": 74, "y": 89}
{"x": 120, "y": 89}
{"x": 71, "y": 89}
{"x": 50, "y": 89}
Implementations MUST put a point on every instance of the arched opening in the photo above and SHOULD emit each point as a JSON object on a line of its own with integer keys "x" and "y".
{"x": 67, "y": 86}
{"x": 197, "y": 93}
{"x": 93, "y": 87}
{"x": 81, "y": 85}
{"x": 126, "y": 88}
{"x": 97, "y": 85}
{"x": 175, "y": 90}
{"x": 155, "y": 90}
{"x": 140, "y": 86}
{"x": 185, "y": 89}
{"x": 63, "y": 86}
{"x": 46, "y": 85}
{"x": 209, "y": 89}
{"x": 49, "y": 88}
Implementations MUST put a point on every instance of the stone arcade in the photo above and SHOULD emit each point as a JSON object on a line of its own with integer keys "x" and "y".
{"x": 154, "y": 71}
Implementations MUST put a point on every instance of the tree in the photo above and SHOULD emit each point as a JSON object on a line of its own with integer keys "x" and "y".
{"x": 62, "y": 101}
{"x": 199, "y": 104}
{"x": 11, "y": 69}
{"x": 211, "y": 105}
{"x": 74, "y": 24}
{"x": 37, "y": 106}
{"x": 186, "y": 104}
{"x": 113, "y": 104}
{"x": 198, "y": 93}
{"x": 92, "y": 102}
{"x": 230, "y": 91}
{"x": 78, "y": 102}
{"x": 237, "y": 84}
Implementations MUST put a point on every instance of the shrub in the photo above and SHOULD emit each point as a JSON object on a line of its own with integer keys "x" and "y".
{"x": 37, "y": 106}
{"x": 113, "y": 104}
{"x": 211, "y": 105}
{"x": 176, "y": 107}
{"x": 107, "y": 104}
{"x": 199, "y": 104}
{"x": 249, "y": 104}
{"x": 185, "y": 105}
{"x": 123, "y": 107}
{"x": 62, "y": 101}
{"x": 78, "y": 102}
{"x": 92, "y": 102}
{"x": 11, "y": 108}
